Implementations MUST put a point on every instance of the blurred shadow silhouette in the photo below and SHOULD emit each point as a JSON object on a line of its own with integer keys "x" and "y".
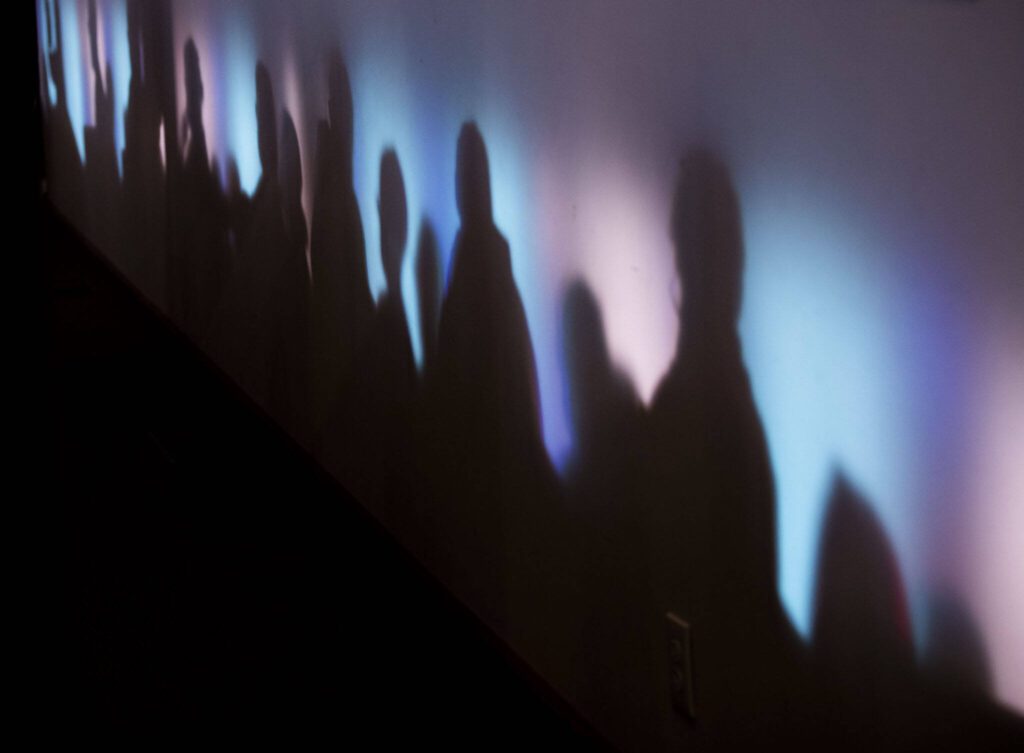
{"x": 615, "y": 604}
{"x": 871, "y": 694}
{"x": 291, "y": 189}
{"x": 101, "y": 176}
{"x": 955, "y": 655}
{"x": 64, "y": 163}
{"x": 430, "y": 537}
{"x": 292, "y": 375}
{"x": 144, "y": 248}
{"x": 506, "y": 524}
{"x": 372, "y": 440}
{"x": 861, "y": 642}
{"x": 389, "y": 356}
{"x": 200, "y": 215}
{"x": 481, "y": 321}
{"x": 158, "y": 62}
{"x": 250, "y": 329}
{"x": 342, "y": 304}
{"x": 238, "y": 207}
{"x": 710, "y": 482}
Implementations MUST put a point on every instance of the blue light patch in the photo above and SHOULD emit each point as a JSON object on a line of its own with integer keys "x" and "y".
{"x": 513, "y": 213}
{"x": 76, "y": 75}
{"x": 119, "y": 57}
{"x": 818, "y": 334}
{"x": 384, "y": 119}
{"x": 239, "y": 124}
{"x": 389, "y": 114}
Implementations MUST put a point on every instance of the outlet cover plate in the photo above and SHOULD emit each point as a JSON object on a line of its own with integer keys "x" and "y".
{"x": 680, "y": 666}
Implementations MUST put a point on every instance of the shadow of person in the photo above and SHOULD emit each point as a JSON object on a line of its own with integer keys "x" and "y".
{"x": 615, "y": 602}
{"x": 871, "y": 693}
{"x": 63, "y": 161}
{"x": 504, "y": 512}
{"x": 291, "y": 192}
{"x": 101, "y": 174}
{"x": 375, "y": 444}
{"x": 200, "y": 216}
{"x": 144, "y": 210}
{"x": 391, "y": 329}
{"x": 861, "y": 642}
{"x": 426, "y": 416}
{"x": 291, "y": 369}
{"x": 341, "y": 301}
{"x": 710, "y": 482}
{"x": 249, "y": 328}
{"x": 238, "y": 208}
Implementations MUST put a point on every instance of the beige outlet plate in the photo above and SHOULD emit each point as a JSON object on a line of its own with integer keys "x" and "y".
{"x": 680, "y": 666}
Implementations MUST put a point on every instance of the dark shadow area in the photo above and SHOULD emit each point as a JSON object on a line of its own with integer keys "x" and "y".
{"x": 611, "y": 530}
{"x": 291, "y": 368}
{"x": 211, "y": 578}
{"x": 342, "y": 307}
{"x": 196, "y": 289}
{"x": 371, "y": 441}
{"x": 862, "y": 647}
{"x": 248, "y": 334}
{"x": 872, "y": 693}
{"x": 238, "y": 207}
{"x": 63, "y": 162}
{"x": 711, "y": 488}
{"x": 144, "y": 206}
{"x": 504, "y": 521}
{"x": 101, "y": 172}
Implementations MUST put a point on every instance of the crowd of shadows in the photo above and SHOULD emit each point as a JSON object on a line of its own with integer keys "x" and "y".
{"x": 670, "y": 507}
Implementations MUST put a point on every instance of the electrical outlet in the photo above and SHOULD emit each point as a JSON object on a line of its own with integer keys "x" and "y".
{"x": 680, "y": 666}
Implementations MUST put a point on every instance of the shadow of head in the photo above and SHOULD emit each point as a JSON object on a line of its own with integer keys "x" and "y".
{"x": 708, "y": 240}
{"x": 472, "y": 178}
{"x": 861, "y": 618}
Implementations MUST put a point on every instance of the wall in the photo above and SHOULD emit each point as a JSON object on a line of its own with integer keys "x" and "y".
{"x": 716, "y": 311}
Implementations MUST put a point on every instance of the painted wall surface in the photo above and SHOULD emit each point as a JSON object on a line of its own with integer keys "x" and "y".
{"x": 717, "y": 309}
